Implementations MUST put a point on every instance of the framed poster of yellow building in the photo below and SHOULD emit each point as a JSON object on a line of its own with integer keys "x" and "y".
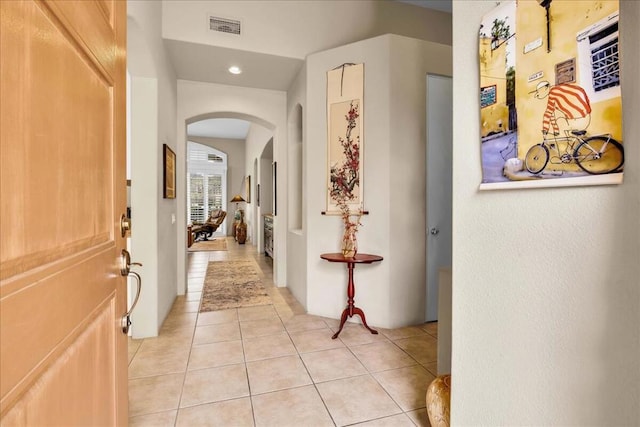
{"x": 550, "y": 94}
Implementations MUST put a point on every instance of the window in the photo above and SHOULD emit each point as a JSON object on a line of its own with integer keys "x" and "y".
{"x": 214, "y": 192}
{"x": 196, "y": 199}
{"x": 599, "y": 65}
{"x": 205, "y": 195}
{"x": 487, "y": 96}
{"x": 206, "y": 182}
{"x": 604, "y": 58}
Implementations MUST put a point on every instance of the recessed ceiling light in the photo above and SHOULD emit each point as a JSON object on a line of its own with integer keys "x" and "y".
{"x": 235, "y": 69}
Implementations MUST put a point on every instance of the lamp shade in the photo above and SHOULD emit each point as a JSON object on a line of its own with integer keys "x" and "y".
{"x": 237, "y": 198}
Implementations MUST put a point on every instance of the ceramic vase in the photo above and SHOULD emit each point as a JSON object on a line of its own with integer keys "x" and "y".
{"x": 349, "y": 242}
{"x": 241, "y": 233}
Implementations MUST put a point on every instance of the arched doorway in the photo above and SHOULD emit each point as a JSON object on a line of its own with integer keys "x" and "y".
{"x": 243, "y": 167}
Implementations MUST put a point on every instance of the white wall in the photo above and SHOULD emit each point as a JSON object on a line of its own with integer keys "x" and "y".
{"x": 167, "y": 208}
{"x": 266, "y": 178}
{"x": 153, "y": 104}
{"x": 236, "y": 153}
{"x": 265, "y": 107}
{"x": 392, "y": 292}
{"x": 144, "y": 202}
{"x": 302, "y": 24}
{"x": 257, "y": 139}
{"x": 265, "y": 167}
{"x": 546, "y": 282}
{"x": 407, "y": 151}
{"x": 296, "y": 239}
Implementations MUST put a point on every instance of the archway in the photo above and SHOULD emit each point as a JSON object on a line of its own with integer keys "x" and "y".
{"x": 261, "y": 131}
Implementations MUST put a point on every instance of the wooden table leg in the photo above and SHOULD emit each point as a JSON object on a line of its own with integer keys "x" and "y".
{"x": 360, "y": 313}
{"x": 343, "y": 319}
{"x": 351, "y": 309}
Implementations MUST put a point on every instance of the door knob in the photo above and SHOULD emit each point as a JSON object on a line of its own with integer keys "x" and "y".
{"x": 434, "y": 231}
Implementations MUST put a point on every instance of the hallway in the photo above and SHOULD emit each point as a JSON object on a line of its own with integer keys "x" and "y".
{"x": 274, "y": 365}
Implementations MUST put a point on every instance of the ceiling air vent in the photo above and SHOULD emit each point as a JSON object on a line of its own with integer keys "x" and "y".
{"x": 224, "y": 25}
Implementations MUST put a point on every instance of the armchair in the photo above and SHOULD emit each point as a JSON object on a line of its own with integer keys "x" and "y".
{"x": 205, "y": 231}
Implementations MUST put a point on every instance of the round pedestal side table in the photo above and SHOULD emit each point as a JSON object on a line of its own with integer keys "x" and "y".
{"x": 351, "y": 309}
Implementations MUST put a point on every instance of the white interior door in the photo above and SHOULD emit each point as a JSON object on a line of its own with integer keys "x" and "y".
{"x": 439, "y": 187}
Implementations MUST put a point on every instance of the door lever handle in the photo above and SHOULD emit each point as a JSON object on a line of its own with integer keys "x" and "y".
{"x": 125, "y": 321}
{"x": 125, "y": 270}
{"x": 125, "y": 263}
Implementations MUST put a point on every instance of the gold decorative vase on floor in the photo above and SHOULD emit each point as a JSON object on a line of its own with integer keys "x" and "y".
{"x": 438, "y": 401}
{"x": 241, "y": 232}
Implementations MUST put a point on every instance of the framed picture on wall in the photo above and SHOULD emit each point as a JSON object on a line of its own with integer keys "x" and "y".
{"x": 275, "y": 188}
{"x": 550, "y": 95}
{"x": 247, "y": 189}
{"x": 169, "y": 173}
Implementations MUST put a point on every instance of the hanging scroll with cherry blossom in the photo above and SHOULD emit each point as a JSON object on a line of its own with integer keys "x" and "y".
{"x": 345, "y": 89}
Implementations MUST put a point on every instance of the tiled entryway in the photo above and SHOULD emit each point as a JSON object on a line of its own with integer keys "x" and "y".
{"x": 274, "y": 365}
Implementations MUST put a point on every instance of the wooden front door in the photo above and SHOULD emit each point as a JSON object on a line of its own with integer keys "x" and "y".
{"x": 63, "y": 357}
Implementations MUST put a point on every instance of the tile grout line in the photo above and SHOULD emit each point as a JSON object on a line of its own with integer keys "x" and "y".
{"x": 246, "y": 370}
{"x": 313, "y": 382}
{"x": 186, "y": 368}
{"x": 370, "y": 373}
{"x": 291, "y": 314}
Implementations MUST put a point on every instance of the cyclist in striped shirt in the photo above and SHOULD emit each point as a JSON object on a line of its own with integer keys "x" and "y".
{"x": 568, "y": 108}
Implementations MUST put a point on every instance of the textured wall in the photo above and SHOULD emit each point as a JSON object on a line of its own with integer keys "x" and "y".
{"x": 546, "y": 282}
{"x": 297, "y": 239}
{"x": 392, "y": 293}
{"x": 153, "y": 113}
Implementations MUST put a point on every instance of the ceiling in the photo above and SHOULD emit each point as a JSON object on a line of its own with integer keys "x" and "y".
{"x": 219, "y": 128}
{"x": 441, "y": 5}
{"x": 208, "y": 63}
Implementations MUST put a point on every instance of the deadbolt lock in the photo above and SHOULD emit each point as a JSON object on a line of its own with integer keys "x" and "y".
{"x": 125, "y": 225}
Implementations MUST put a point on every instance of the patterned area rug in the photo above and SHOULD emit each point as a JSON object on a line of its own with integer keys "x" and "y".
{"x": 220, "y": 244}
{"x": 232, "y": 284}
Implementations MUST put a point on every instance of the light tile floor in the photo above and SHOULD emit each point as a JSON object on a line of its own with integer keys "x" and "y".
{"x": 275, "y": 365}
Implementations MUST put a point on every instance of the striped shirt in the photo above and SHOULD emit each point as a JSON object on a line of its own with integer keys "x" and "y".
{"x": 571, "y": 99}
